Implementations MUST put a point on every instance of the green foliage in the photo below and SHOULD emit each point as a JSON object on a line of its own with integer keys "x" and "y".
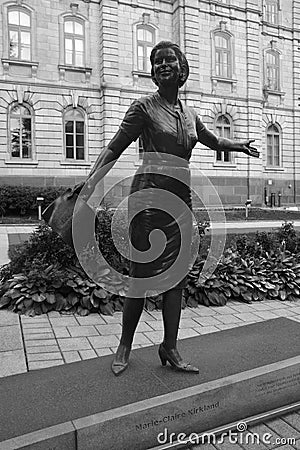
{"x": 22, "y": 199}
{"x": 44, "y": 273}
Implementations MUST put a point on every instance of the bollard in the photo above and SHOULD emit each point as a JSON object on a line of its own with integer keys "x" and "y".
{"x": 279, "y": 198}
{"x": 39, "y": 203}
{"x": 272, "y": 199}
{"x": 247, "y": 206}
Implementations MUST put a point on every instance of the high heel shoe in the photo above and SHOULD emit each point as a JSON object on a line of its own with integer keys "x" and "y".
{"x": 120, "y": 362}
{"x": 175, "y": 360}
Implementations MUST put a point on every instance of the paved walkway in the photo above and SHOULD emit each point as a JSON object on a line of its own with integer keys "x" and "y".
{"x": 53, "y": 339}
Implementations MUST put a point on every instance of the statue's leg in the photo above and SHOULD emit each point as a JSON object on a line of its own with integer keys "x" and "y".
{"x": 132, "y": 310}
{"x": 171, "y": 316}
{"x": 171, "y": 310}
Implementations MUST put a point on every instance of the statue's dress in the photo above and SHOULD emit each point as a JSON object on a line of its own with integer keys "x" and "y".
{"x": 168, "y": 135}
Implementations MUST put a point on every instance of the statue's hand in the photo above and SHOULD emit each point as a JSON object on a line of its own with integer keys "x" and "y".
{"x": 249, "y": 150}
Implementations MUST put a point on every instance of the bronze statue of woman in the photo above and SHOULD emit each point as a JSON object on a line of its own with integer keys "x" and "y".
{"x": 169, "y": 131}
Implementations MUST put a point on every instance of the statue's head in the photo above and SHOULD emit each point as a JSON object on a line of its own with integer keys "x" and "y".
{"x": 183, "y": 64}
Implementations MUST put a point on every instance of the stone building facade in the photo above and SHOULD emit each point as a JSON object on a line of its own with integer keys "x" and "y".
{"x": 69, "y": 71}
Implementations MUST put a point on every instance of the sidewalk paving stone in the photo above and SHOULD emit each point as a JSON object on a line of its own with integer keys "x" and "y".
{"x": 61, "y": 332}
{"x": 156, "y": 324}
{"x": 103, "y": 341}
{"x": 92, "y": 319}
{"x": 297, "y": 318}
{"x": 155, "y": 336}
{"x": 104, "y": 330}
{"x": 206, "y": 329}
{"x": 188, "y": 323}
{"x": 185, "y": 333}
{"x": 83, "y": 330}
{"x": 10, "y": 338}
{"x": 261, "y": 429}
{"x": 63, "y": 321}
{"x": 76, "y": 343}
{"x": 229, "y": 318}
{"x": 223, "y": 309}
{"x": 204, "y": 321}
{"x": 142, "y": 327}
{"x": 103, "y": 351}
{"x": 266, "y": 315}
{"x": 43, "y": 356}
{"x": 242, "y": 308}
{"x": 283, "y": 428}
{"x": 43, "y": 364}
{"x": 116, "y": 318}
{"x": 12, "y": 362}
{"x": 227, "y": 326}
{"x": 201, "y": 311}
{"x": 247, "y": 316}
{"x": 8, "y": 318}
{"x": 39, "y": 325}
{"x": 293, "y": 420}
{"x": 36, "y": 331}
{"x": 38, "y": 336}
{"x": 88, "y": 354}
{"x": 41, "y": 343}
{"x": 42, "y": 349}
{"x": 71, "y": 356}
{"x": 142, "y": 338}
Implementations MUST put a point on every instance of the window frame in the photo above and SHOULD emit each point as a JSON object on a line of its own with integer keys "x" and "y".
{"x": 222, "y": 51}
{"x": 147, "y": 25}
{"x": 277, "y": 133}
{"x": 73, "y": 37}
{"x": 145, "y": 45}
{"x": 19, "y": 29}
{"x": 229, "y": 126}
{"x": 269, "y": 14}
{"x": 32, "y": 132}
{"x": 82, "y": 113}
{"x": 277, "y": 67}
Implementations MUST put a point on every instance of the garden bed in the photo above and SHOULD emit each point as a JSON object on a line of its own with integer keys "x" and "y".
{"x": 44, "y": 273}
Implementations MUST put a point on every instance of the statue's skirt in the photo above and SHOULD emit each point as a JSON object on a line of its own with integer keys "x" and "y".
{"x": 160, "y": 199}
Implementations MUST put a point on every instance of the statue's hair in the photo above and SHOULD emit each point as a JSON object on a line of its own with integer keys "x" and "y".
{"x": 184, "y": 65}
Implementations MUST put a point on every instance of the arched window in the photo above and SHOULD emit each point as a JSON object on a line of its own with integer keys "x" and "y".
{"x": 74, "y": 42}
{"x": 273, "y": 146}
{"x": 145, "y": 41}
{"x": 74, "y": 134}
{"x": 20, "y": 132}
{"x": 272, "y": 11}
{"x": 19, "y": 34}
{"x": 223, "y": 55}
{"x": 223, "y": 129}
{"x": 272, "y": 70}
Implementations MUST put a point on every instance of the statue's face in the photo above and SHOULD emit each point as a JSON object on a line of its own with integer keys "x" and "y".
{"x": 166, "y": 67}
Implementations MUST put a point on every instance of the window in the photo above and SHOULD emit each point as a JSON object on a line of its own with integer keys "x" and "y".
{"x": 20, "y": 128}
{"x": 74, "y": 134}
{"x": 272, "y": 11}
{"x": 223, "y": 56}
{"x": 272, "y": 70}
{"x": 74, "y": 42}
{"x": 19, "y": 32}
{"x": 273, "y": 146}
{"x": 145, "y": 42}
{"x": 223, "y": 129}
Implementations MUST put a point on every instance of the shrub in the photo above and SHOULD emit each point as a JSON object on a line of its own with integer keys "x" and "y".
{"x": 44, "y": 273}
{"x": 22, "y": 199}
